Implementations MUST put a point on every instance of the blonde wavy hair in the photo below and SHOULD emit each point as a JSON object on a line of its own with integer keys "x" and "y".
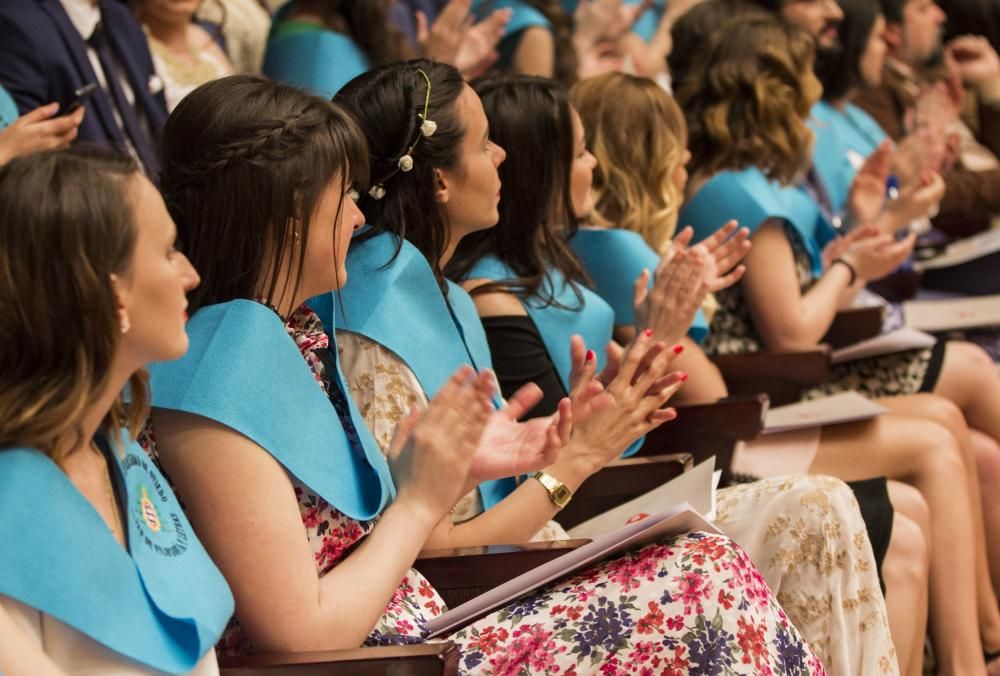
{"x": 638, "y": 135}
{"x": 66, "y": 225}
{"x": 748, "y": 98}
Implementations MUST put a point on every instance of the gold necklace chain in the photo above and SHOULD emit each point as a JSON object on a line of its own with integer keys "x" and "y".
{"x": 116, "y": 528}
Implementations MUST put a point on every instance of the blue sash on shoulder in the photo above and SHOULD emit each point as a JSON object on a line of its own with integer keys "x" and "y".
{"x": 750, "y": 198}
{"x": 162, "y": 603}
{"x": 593, "y": 319}
{"x": 399, "y": 305}
{"x": 614, "y": 259}
{"x": 844, "y": 140}
{"x": 320, "y": 61}
{"x": 244, "y": 371}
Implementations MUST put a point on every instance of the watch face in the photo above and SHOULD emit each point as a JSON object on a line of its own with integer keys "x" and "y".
{"x": 561, "y": 496}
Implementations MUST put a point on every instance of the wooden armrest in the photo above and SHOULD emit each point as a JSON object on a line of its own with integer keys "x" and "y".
{"x": 463, "y": 573}
{"x": 425, "y": 659}
{"x": 783, "y": 376}
{"x": 704, "y": 430}
{"x": 854, "y": 325}
{"x": 619, "y": 482}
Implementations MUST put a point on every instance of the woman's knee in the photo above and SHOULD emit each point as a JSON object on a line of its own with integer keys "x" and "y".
{"x": 966, "y": 367}
{"x": 908, "y": 558}
{"x": 909, "y": 502}
{"x": 987, "y": 453}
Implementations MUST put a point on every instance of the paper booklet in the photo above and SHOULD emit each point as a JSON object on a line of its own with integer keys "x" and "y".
{"x": 899, "y": 340}
{"x": 843, "y": 407}
{"x": 963, "y": 251}
{"x": 693, "y": 487}
{"x": 952, "y": 314}
{"x": 640, "y": 529}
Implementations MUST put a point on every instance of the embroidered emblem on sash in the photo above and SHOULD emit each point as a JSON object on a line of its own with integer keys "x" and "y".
{"x": 148, "y": 511}
{"x": 152, "y": 511}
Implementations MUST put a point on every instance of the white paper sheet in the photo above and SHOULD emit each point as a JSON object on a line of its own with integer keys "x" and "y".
{"x": 899, "y": 340}
{"x": 693, "y": 487}
{"x": 838, "y": 408}
{"x": 952, "y": 313}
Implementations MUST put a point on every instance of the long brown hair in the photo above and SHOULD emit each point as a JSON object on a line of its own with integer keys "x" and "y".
{"x": 536, "y": 207}
{"x": 387, "y": 102}
{"x": 66, "y": 225}
{"x": 748, "y": 98}
{"x": 243, "y": 158}
{"x": 638, "y": 135}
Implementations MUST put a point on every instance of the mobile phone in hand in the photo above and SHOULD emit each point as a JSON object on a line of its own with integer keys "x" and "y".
{"x": 80, "y": 97}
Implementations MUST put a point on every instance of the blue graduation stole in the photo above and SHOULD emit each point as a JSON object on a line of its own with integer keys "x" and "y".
{"x": 587, "y": 315}
{"x": 844, "y": 140}
{"x": 593, "y": 319}
{"x": 243, "y": 370}
{"x": 320, "y": 61}
{"x": 162, "y": 603}
{"x": 8, "y": 109}
{"x": 749, "y": 197}
{"x": 398, "y": 304}
{"x": 614, "y": 258}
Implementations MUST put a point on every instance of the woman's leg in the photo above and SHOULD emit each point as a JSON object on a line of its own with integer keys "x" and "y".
{"x": 906, "y": 570}
{"x": 970, "y": 379}
{"x": 987, "y": 487}
{"x": 988, "y": 466}
{"x": 924, "y": 455}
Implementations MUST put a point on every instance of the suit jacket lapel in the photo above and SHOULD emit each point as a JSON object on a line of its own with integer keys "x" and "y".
{"x": 154, "y": 105}
{"x": 77, "y": 48}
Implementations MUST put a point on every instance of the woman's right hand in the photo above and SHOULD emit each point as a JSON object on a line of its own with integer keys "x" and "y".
{"x": 874, "y": 255}
{"x": 631, "y": 405}
{"x": 39, "y": 130}
{"x": 431, "y": 452}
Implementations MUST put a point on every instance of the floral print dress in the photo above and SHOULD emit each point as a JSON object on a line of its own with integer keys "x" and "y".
{"x": 692, "y": 604}
{"x": 805, "y": 534}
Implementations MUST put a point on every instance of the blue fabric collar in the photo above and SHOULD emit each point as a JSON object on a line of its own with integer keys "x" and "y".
{"x": 614, "y": 258}
{"x": 558, "y": 322}
{"x": 751, "y": 198}
{"x": 244, "y": 371}
{"x": 162, "y": 603}
{"x": 397, "y": 303}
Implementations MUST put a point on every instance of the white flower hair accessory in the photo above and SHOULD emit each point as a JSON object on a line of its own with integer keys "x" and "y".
{"x": 405, "y": 162}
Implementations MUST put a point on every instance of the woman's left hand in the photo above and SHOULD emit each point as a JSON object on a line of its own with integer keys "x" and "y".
{"x": 509, "y": 447}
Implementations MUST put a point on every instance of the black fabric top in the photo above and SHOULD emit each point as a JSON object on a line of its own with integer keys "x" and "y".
{"x": 520, "y": 357}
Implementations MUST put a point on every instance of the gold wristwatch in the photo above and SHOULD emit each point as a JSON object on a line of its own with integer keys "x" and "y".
{"x": 558, "y": 493}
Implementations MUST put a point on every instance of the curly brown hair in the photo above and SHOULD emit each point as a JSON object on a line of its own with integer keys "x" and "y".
{"x": 638, "y": 135}
{"x": 748, "y": 98}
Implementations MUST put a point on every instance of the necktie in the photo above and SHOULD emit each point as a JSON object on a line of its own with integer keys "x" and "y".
{"x": 126, "y": 111}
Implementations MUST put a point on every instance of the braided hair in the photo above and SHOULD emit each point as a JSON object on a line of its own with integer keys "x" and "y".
{"x": 245, "y": 162}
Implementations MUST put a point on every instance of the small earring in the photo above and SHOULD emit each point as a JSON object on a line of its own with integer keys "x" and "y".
{"x": 295, "y": 235}
{"x": 123, "y": 322}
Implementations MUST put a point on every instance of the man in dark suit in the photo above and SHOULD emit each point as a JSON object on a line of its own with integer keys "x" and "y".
{"x": 51, "y": 48}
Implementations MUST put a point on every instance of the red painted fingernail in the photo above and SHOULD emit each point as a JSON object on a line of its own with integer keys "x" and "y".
{"x": 648, "y": 333}
{"x": 684, "y": 377}
{"x": 590, "y": 355}
{"x": 678, "y": 348}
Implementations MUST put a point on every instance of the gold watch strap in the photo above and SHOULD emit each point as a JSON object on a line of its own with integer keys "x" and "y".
{"x": 558, "y": 493}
